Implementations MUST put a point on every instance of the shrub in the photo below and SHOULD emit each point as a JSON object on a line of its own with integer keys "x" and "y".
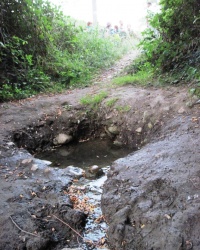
{"x": 41, "y": 49}
{"x": 171, "y": 43}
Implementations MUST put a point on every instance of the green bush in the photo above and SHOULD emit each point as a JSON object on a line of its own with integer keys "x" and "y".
{"x": 172, "y": 42}
{"x": 43, "y": 50}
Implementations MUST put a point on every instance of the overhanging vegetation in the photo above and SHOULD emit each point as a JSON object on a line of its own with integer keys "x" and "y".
{"x": 42, "y": 50}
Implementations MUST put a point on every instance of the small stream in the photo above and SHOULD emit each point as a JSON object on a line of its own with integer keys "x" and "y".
{"x": 84, "y": 155}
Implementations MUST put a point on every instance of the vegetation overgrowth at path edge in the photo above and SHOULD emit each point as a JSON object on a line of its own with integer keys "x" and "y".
{"x": 170, "y": 47}
{"x": 42, "y": 50}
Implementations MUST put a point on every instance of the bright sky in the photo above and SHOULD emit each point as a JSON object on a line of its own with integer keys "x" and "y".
{"x": 129, "y": 11}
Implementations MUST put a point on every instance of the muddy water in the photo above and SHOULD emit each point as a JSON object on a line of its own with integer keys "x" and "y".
{"x": 95, "y": 228}
{"x": 83, "y": 155}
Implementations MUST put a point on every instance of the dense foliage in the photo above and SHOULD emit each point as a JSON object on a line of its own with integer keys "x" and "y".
{"x": 171, "y": 43}
{"x": 43, "y": 50}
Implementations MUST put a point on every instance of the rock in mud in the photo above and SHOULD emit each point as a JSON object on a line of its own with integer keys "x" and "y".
{"x": 74, "y": 171}
{"x": 139, "y": 130}
{"x": 27, "y": 161}
{"x": 113, "y": 130}
{"x": 47, "y": 170}
{"x": 34, "y": 167}
{"x": 61, "y": 139}
{"x": 118, "y": 143}
{"x": 94, "y": 172}
{"x": 94, "y": 169}
{"x": 181, "y": 110}
{"x": 103, "y": 135}
{"x": 150, "y": 126}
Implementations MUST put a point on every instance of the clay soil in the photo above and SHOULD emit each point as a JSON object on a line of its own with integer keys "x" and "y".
{"x": 151, "y": 199}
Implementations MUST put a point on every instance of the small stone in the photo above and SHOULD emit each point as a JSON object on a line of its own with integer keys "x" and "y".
{"x": 167, "y": 216}
{"x": 47, "y": 170}
{"x": 189, "y": 104}
{"x": 175, "y": 82}
{"x": 166, "y": 108}
{"x": 74, "y": 171}
{"x": 145, "y": 115}
{"x": 34, "y": 167}
{"x": 94, "y": 172}
{"x": 62, "y": 139}
{"x": 150, "y": 126}
{"x": 139, "y": 130}
{"x": 94, "y": 169}
{"x": 113, "y": 130}
{"x": 181, "y": 110}
{"x": 103, "y": 135}
{"x": 118, "y": 143}
{"x": 145, "y": 141}
{"x": 27, "y": 161}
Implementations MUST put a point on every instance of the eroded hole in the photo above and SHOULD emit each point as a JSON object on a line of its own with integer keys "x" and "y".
{"x": 92, "y": 146}
{"x": 84, "y": 154}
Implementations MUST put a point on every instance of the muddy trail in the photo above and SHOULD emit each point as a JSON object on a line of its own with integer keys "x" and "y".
{"x": 151, "y": 198}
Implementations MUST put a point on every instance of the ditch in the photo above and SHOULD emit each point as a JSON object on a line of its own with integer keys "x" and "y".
{"x": 82, "y": 158}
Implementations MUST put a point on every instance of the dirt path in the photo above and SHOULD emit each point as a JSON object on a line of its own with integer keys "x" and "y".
{"x": 151, "y": 198}
{"x": 116, "y": 69}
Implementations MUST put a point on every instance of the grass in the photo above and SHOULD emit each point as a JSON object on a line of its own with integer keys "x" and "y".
{"x": 111, "y": 101}
{"x": 141, "y": 78}
{"x": 123, "y": 109}
{"x": 94, "y": 100}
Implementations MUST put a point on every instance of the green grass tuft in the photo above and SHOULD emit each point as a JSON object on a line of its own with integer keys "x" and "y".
{"x": 140, "y": 78}
{"x": 94, "y": 100}
{"x": 123, "y": 109}
{"x": 111, "y": 102}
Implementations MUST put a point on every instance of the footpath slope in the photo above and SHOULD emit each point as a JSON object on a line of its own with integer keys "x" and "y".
{"x": 151, "y": 198}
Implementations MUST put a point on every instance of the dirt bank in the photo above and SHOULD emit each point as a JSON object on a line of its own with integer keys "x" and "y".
{"x": 151, "y": 198}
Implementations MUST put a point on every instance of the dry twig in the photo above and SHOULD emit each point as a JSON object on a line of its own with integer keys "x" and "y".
{"x": 22, "y": 229}
{"x": 68, "y": 226}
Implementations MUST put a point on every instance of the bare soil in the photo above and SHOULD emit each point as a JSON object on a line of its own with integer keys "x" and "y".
{"x": 151, "y": 199}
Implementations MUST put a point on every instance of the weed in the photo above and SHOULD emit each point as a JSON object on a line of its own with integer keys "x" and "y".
{"x": 111, "y": 102}
{"x": 94, "y": 100}
{"x": 61, "y": 55}
{"x": 195, "y": 91}
{"x": 141, "y": 78}
{"x": 123, "y": 109}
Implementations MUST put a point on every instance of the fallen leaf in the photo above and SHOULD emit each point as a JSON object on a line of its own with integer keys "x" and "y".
{"x": 33, "y": 194}
{"x": 102, "y": 241}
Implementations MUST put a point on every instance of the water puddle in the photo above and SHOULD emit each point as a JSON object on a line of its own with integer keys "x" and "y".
{"x": 88, "y": 191}
{"x": 84, "y": 154}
